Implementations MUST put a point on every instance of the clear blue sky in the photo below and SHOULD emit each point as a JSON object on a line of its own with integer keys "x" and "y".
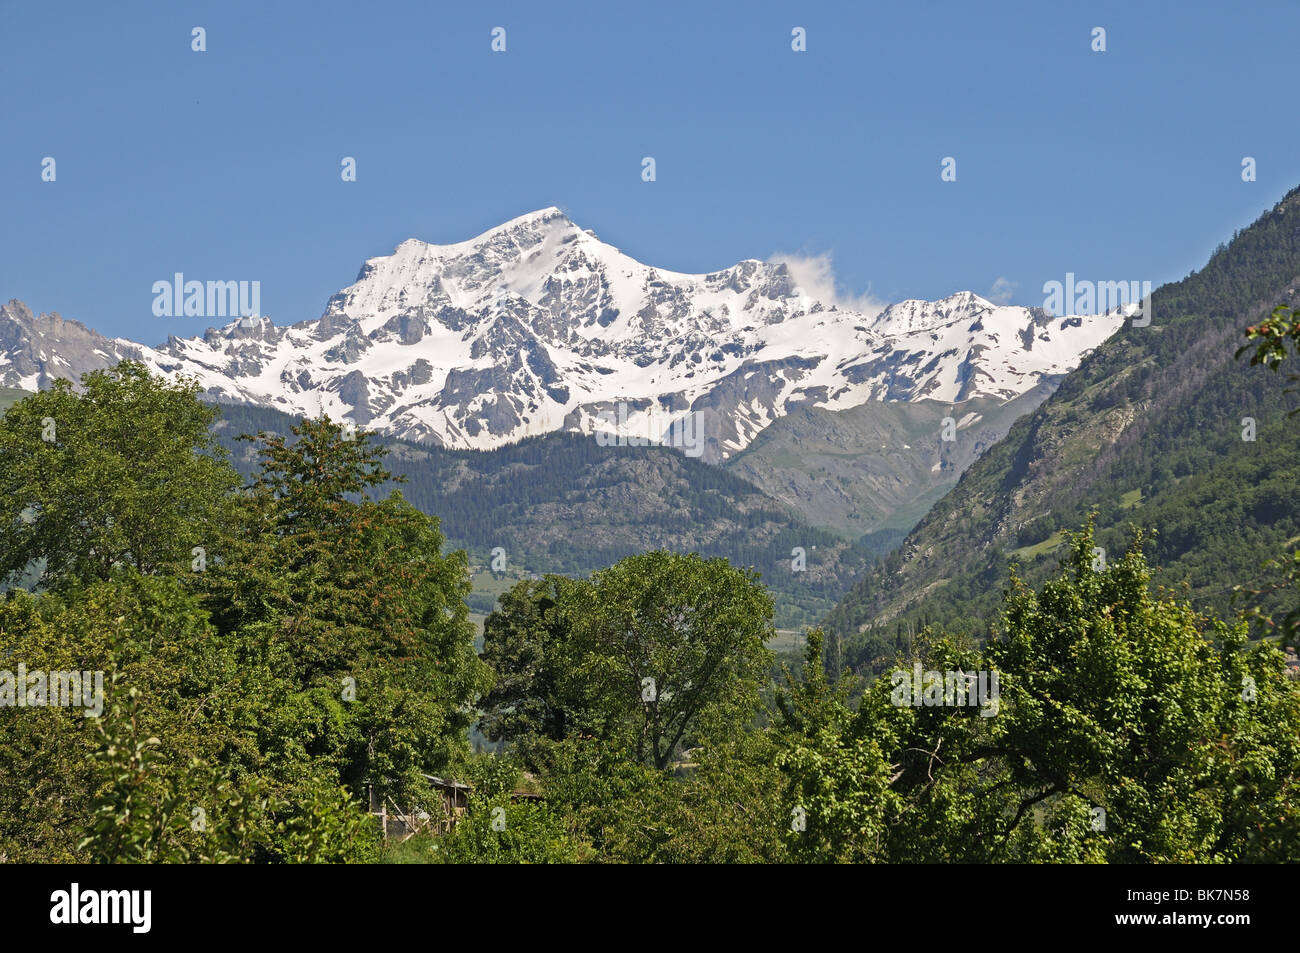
{"x": 225, "y": 164}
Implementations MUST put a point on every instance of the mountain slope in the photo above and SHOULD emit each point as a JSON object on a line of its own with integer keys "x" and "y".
{"x": 877, "y": 467}
{"x": 1147, "y": 430}
{"x": 561, "y": 503}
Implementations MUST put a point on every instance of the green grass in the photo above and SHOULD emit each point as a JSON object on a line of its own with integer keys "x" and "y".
{"x": 1028, "y": 553}
{"x": 787, "y": 640}
{"x": 414, "y": 850}
{"x": 9, "y": 396}
{"x": 491, "y": 584}
{"x": 1130, "y": 500}
{"x": 494, "y": 583}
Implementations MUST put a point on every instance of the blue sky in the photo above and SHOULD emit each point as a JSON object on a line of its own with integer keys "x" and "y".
{"x": 226, "y": 164}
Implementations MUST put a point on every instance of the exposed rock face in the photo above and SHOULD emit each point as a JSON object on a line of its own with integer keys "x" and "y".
{"x": 537, "y": 326}
{"x": 35, "y": 350}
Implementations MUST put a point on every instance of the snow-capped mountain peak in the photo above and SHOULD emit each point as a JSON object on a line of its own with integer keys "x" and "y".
{"x": 537, "y": 325}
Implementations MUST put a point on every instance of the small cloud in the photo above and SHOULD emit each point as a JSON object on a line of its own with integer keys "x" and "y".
{"x": 1002, "y": 291}
{"x": 815, "y": 276}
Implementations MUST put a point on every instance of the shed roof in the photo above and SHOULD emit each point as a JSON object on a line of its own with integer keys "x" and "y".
{"x": 444, "y": 783}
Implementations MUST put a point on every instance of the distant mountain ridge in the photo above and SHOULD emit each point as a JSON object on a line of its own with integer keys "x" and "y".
{"x": 536, "y": 326}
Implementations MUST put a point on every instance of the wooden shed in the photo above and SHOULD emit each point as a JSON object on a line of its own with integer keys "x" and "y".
{"x": 400, "y": 822}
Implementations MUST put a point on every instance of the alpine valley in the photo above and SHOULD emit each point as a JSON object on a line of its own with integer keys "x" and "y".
{"x": 492, "y": 362}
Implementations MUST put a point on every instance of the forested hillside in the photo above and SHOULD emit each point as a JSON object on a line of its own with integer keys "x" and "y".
{"x": 1154, "y": 429}
{"x": 561, "y": 503}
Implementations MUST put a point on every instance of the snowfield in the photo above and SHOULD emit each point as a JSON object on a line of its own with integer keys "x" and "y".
{"x": 536, "y": 326}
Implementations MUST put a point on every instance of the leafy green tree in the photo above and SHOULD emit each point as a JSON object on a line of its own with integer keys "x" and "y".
{"x": 836, "y": 779}
{"x": 1110, "y": 696}
{"x": 727, "y": 809}
{"x": 195, "y": 815}
{"x": 137, "y": 630}
{"x": 614, "y": 803}
{"x": 1121, "y": 698}
{"x": 124, "y": 473}
{"x": 724, "y": 806}
{"x": 1128, "y": 728}
{"x": 325, "y": 825}
{"x": 526, "y": 643}
{"x": 325, "y": 645}
{"x": 1272, "y": 337}
{"x": 647, "y": 655}
{"x": 142, "y": 814}
{"x": 176, "y": 760}
{"x": 663, "y": 642}
{"x": 366, "y": 609}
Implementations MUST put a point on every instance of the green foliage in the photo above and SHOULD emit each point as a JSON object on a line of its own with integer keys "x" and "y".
{"x": 125, "y": 473}
{"x": 1123, "y": 698}
{"x": 492, "y": 775}
{"x": 666, "y": 645}
{"x": 501, "y": 832}
{"x": 324, "y": 646}
{"x": 324, "y": 825}
{"x": 326, "y": 649}
{"x": 144, "y": 632}
{"x": 1112, "y": 699}
{"x": 360, "y": 598}
{"x": 525, "y": 642}
{"x": 652, "y": 652}
{"x": 725, "y": 808}
{"x": 146, "y": 814}
{"x": 1272, "y": 336}
{"x": 836, "y": 781}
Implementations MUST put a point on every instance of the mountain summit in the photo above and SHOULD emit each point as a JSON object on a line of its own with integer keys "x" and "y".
{"x": 536, "y": 326}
